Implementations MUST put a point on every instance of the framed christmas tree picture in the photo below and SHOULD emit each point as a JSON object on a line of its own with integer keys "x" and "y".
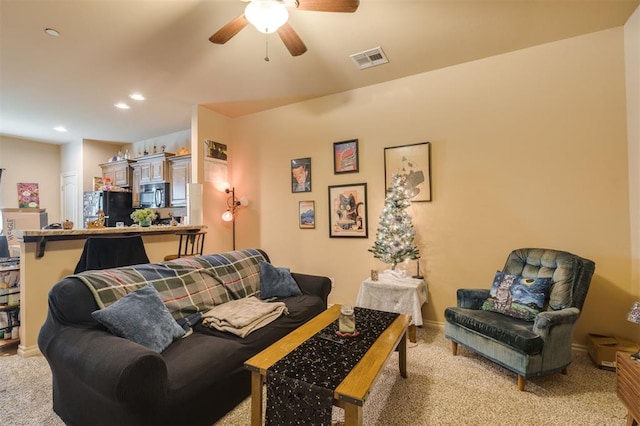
{"x": 348, "y": 211}
{"x": 414, "y": 163}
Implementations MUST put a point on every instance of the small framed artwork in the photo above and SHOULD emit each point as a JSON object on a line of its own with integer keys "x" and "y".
{"x": 413, "y": 161}
{"x": 28, "y": 196}
{"x": 348, "y": 211}
{"x": 345, "y": 157}
{"x": 301, "y": 175}
{"x": 307, "y": 214}
{"x": 215, "y": 150}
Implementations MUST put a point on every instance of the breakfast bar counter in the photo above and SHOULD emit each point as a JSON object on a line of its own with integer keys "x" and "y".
{"x": 41, "y": 236}
{"x": 48, "y": 255}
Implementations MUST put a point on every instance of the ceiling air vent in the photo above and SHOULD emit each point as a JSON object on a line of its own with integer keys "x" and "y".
{"x": 369, "y": 58}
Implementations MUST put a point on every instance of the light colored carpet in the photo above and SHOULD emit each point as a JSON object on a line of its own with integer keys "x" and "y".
{"x": 441, "y": 390}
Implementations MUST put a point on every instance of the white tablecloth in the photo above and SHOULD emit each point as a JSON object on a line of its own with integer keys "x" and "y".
{"x": 393, "y": 294}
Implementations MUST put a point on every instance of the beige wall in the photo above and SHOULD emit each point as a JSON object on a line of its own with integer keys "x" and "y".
{"x": 30, "y": 161}
{"x": 632, "y": 56}
{"x": 94, "y": 153}
{"x": 529, "y": 149}
{"x": 210, "y": 125}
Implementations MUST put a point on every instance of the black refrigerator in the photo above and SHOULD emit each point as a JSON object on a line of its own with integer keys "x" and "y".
{"x": 117, "y": 207}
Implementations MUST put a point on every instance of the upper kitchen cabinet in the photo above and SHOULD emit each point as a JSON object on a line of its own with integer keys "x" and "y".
{"x": 153, "y": 167}
{"x": 180, "y": 178}
{"x": 135, "y": 185}
{"x": 117, "y": 172}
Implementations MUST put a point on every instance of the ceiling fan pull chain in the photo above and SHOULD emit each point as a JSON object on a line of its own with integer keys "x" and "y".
{"x": 266, "y": 47}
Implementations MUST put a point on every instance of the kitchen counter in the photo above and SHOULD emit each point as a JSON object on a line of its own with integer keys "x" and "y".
{"x": 41, "y": 236}
{"x": 40, "y": 271}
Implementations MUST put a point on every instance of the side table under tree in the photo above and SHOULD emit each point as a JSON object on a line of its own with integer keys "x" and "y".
{"x": 393, "y": 294}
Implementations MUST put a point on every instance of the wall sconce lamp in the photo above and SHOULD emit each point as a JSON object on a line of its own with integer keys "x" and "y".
{"x": 634, "y": 317}
{"x": 232, "y": 206}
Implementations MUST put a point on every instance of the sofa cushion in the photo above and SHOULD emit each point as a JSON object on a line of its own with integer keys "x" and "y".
{"x": 277, "y": 282}
{"x": 141, "y": 317}
{"x": 517, "y": 296}
{"x": 510, "y": 331}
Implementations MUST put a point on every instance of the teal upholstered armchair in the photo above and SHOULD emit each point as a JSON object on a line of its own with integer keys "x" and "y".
{"x": 512, "y": 332}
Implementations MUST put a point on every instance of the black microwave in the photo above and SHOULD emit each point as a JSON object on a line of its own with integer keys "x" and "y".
{"x": 154, "y": 195}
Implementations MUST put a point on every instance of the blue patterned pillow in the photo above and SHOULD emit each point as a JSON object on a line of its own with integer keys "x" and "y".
{"x": 141, "y": 317}
{"x": 517, "y": 296}
{"x": 277, "y": 282}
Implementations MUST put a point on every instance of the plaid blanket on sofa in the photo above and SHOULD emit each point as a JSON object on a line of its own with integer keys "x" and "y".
{"x": 186, "y": 285}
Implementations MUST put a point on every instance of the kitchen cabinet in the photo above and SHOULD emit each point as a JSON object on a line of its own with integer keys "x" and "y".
{"x": 117, "y": 172}
{"x": 153, "y": 168}
{"x": 180, "y": 178}
{"x": 135, "y": 184}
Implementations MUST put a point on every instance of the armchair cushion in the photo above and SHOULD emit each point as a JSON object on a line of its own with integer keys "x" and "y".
{"x": 513, "y": 332}
{"x": 516, "y": 296}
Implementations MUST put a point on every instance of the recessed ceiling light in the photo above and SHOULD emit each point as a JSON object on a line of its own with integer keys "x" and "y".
{"x": 136, "y": 97}
{"x": 60, "y": 129}
{"x": 52, "y": 32}
{"x": 122, "y": 105}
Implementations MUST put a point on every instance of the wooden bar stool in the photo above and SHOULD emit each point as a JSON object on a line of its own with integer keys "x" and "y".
{"x": 191, "y": 244}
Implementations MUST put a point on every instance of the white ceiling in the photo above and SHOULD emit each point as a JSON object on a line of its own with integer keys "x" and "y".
{"x": 109, "y": 48}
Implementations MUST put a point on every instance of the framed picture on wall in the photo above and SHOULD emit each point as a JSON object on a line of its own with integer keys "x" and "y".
{"x": 348, "y": 211}
{"x": 413, "y": 161}
{"x": 307, "y": 214}
{"x": 345, "y": 157}
{"x": 301, "y": 175}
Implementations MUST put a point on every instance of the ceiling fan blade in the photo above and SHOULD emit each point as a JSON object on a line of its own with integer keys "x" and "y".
{"x": 225, "y": 33}
{"x": 291, "y": 39}
{"x": 346, "y": 6}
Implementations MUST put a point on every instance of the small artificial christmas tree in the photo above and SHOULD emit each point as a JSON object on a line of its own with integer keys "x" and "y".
{"x": 394, "y": 238}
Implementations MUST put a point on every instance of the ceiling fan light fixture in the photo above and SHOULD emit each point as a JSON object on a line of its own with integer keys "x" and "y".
{"x": 266, "y": 15}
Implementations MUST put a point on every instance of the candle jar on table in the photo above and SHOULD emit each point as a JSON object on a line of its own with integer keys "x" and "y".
{"x": 347, "y": 320}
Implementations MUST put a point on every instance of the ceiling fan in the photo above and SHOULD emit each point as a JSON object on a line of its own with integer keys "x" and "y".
{"x": 269, "y": 16}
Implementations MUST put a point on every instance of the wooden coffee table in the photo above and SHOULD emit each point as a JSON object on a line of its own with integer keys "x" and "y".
{"x": 356, "y": 386}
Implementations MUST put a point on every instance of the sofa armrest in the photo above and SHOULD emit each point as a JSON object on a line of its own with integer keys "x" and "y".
{"x": 127, "y": 373}
{"x": 471, "y": 298}
{"x": 314, "y": 285}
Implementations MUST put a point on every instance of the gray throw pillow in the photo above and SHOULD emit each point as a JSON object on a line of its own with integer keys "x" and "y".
{"x": 276, "y": 282}
{"x": 141, "y": 317}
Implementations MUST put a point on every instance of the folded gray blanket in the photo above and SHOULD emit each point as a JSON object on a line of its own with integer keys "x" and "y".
{"x": 243, "y": 316}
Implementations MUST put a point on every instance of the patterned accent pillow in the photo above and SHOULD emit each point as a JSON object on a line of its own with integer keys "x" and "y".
{"x": 518, "y": 297}
{"x": 141, "y": 317}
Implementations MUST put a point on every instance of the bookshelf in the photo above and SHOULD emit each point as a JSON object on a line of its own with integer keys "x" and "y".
{"x": 9, "y": 301}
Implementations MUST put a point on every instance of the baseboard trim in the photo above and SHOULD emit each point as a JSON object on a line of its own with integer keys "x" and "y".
{"x": 26, "y": 352}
